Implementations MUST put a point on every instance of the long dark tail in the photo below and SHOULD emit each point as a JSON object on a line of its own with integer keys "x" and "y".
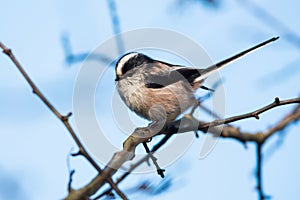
{"x": 206, "y": 72}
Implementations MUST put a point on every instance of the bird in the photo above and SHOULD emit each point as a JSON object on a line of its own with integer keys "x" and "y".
{"x": 159, "y": 91}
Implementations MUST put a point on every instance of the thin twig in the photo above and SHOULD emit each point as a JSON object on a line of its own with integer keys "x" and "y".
{"x": 121, "y": 178}
{"x": 72, "y": 58}
{"x": 254, "y": 114}
{"x": 154, "y": 160}
{"x": 209, "y": 111}
{"x": 116, "y": 25}
{"x": 259, "y": 187}
{"x": 71, "y": 172}
{"x": 258, "y": 172}
{"x": 63, "y": 118}
{"x": 294, "y": 115}
{"x": 138, "y": 163}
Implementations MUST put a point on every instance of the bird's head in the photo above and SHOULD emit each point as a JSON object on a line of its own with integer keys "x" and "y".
{"x": 130, "y": 61}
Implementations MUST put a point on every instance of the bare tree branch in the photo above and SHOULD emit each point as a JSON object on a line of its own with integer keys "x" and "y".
{"x": 212, "y": 127}
{"x": 226, "y": 132}
{"x": 187, "y": 123}
{"x": 234, "y": 133}
{"x": 63, "y": 118}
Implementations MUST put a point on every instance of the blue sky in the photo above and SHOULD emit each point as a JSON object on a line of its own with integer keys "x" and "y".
{"x": 34, "y": 145}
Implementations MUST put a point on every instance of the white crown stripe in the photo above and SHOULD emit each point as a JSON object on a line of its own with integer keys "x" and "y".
{"x": 123, "y": 60}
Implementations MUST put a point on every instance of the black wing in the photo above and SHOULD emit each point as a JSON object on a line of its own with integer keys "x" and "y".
{"x": 165, "y": 78}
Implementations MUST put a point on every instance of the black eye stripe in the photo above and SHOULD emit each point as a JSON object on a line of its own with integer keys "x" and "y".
{"x": 131, "y": 63}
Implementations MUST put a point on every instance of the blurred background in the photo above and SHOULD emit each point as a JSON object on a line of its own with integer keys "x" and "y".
{"x": 34, "y": 146}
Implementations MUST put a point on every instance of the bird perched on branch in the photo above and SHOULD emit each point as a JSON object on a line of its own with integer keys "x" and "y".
{"x": 160, "y": 91}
